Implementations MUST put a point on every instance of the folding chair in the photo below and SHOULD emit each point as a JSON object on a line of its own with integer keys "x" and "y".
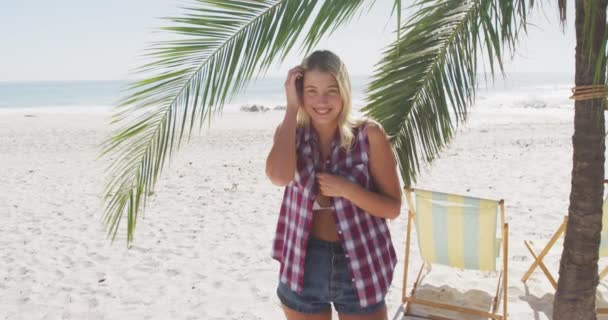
{"x": 460, "y": 232}
{"x": 538, "y": 258}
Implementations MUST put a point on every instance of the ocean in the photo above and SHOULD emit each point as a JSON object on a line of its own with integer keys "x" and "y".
{"x": 534, "y": 90}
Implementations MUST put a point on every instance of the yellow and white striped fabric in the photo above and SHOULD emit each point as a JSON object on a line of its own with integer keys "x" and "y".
{"x": 604, "y": 242}
{"x": 456, "y": 230}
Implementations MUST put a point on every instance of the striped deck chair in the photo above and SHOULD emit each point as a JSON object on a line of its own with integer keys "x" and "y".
{"x": 538, "y": 258}
{"x": 460, "y": 232}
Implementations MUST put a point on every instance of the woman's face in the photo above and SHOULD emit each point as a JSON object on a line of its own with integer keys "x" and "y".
{"x": 321, "y": 97}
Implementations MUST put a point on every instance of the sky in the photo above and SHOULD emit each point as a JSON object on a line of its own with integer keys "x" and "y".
{"x": 70, "y": 40}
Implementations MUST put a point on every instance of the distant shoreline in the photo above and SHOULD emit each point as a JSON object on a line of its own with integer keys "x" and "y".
{"x": 359, "y": 76}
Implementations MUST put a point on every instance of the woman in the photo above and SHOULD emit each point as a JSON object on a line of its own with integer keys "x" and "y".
{"x": 341, "y": 185}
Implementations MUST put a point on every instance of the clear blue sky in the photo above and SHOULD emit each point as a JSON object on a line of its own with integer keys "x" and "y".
{"x": 102, "y": 40}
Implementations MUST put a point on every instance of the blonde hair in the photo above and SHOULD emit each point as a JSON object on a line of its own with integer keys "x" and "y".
{"x": 327, "y": 61}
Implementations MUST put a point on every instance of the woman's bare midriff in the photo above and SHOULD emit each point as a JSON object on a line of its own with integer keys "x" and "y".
{"x": 323, "y": 224}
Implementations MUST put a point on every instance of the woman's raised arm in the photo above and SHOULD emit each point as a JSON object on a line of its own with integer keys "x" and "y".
{"x": 281, "y": 161}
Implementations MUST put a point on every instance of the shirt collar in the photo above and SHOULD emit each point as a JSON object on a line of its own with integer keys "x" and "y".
{"x": 311, "y": 135}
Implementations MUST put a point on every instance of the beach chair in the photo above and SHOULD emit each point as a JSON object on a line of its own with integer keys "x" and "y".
{"x": 538, "y": 257}
{"x": 460, "y": 232}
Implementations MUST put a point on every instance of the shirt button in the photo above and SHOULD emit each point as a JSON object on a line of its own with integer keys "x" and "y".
{"x": 346, "y": 255}
{"x": 353, "y": 279}
{"x": 339, "y": 232}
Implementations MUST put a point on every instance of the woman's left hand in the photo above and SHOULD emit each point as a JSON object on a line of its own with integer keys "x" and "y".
{"x": 333, "y": 185}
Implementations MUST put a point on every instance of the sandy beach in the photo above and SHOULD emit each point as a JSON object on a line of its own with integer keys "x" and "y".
{"x": 202, "y": 249}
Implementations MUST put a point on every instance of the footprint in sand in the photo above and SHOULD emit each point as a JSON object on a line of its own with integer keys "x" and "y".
{"x": 97, "y": 257}
{"x": 139, "y": 249}
{"x": 519, "y": 257}
{"x": 93, "y": 303}
{"x": 230, "y": 313}
{"x": 59, "y": 273}
{"x": 150, "y": 262}
{"x": 217, "y": 284}
{"x": 200, "y": 276}
{"x": 516, "y": 291}
{"x": 258, "y": 293}
{"x": 172, "y": 272}
{"x": 186, "y": 248}
{"x": 87, "y": 264}
{"x": 67, "y": 261}
{"x": 241, "y": 257}
{"x": 24, "y": 271}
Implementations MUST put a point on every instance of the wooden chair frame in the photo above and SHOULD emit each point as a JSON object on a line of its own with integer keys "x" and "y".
{"x": 538, "y": 259}
{"x": 407, "y": 301}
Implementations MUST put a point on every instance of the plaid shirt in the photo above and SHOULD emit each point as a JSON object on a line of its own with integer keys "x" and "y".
{"x": 365, "y": 238}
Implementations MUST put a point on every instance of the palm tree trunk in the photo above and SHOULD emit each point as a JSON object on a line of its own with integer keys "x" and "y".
{"x": 578, "y": 273}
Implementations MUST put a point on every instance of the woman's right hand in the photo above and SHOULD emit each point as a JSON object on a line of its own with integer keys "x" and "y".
{"x": 291, "y": 91}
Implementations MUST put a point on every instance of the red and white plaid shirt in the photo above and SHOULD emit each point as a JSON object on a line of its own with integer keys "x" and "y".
{"x": 365, "y": 238}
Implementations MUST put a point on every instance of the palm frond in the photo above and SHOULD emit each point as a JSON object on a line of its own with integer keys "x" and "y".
{"x": 222, "y": 44}
{"x": 397, "y": 8}
{"x": 562, "y": 4}
{"x": 421, "y": 92}
{"x": 593, "y": 15}
{"x": 331, "y": 15}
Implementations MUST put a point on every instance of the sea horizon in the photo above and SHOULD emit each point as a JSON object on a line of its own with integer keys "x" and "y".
{"x": 518, "y": 89}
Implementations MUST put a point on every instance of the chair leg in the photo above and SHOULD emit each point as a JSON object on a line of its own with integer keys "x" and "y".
{"x": 413, "y": 292}
{"x": 496, "y": 297}
{"x": 400, "y": 312}
{"x": 545, "y": 250}
{"x": 410, "y": 220}
{"x": 541, "y": 264}
{"x": 604, "y": 273}
{"x": 601, "y": 310}
{"x": 505, "y": 269}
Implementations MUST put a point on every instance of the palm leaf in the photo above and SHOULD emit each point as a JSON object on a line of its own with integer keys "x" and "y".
{"x": 331, "y": 15}
{"x": 562, "y": 5}
{"x": 397, "y": 8}
{"x": 592, "y": 14}
{"x": 423, "y": 90}
{"x": 221, "y": 45}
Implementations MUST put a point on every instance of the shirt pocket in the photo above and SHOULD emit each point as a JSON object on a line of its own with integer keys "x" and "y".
{"x": 304, "y": 173}
{"x": 358, "y": 173}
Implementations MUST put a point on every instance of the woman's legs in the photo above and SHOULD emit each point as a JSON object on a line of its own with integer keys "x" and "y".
{"x": 312, "y": 302}
{"x": 345, "y": 297}
{"x": 381, "y": 314}
{"x": 294, "y": 315}
{"x": 290, "y": 314}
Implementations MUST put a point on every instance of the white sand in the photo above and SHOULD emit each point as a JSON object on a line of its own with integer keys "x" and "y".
{"x": 202, "y": 250}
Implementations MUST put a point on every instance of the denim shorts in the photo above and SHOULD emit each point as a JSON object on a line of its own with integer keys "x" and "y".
{"x": 326, "y": 280}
